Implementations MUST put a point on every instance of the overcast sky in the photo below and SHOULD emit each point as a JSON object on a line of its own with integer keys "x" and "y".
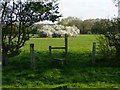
{"x": 86, "y": 9}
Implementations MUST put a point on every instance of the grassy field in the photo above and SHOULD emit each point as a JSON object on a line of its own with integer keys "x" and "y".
{"x": 83, "y": 42}
{"x": 77, "y": 72}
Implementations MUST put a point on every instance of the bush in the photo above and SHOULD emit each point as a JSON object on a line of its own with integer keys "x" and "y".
{"x": 105, "y": 51}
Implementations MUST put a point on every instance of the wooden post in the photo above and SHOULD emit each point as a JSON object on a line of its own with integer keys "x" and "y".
{"x": 50, "y": 50}
{"x": 94, "y": 52}
{"x": 32, "y": 59}
{"x": 1, "y": 44}
{"x": 66, "y": 43}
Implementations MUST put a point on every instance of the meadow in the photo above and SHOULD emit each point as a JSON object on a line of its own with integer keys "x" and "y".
{"x": 77, "y": 72}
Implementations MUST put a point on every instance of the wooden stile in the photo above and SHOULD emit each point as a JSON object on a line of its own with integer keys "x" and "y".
{"x": 65, "y": 48}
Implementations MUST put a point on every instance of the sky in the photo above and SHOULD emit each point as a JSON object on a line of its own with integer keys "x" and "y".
{"x": 88, "y": 9}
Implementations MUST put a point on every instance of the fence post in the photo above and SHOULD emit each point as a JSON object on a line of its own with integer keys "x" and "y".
{"x": 94, "y": 52}
{"x": 50, "y": 50}
{"x": 1, "y": 25}
{"x": 32, "y": 59}
{"x": 66, "y": 43}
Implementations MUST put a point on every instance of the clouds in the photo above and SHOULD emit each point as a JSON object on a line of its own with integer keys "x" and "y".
{"x": 88, "y": 8}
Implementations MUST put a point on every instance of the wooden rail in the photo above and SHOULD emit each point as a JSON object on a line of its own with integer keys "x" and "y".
{"x": 65, "y": 47}
{"x": 57, "y": 47}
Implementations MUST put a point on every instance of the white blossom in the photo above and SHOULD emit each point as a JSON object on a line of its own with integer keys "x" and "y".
{"x": 61, "y": 30}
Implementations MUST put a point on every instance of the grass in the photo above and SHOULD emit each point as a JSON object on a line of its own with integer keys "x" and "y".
{"x": 83, "y": 42}
{"x": 77, "y": 72}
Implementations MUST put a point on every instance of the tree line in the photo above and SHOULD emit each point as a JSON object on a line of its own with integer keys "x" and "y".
{"x": 88, "y": 26}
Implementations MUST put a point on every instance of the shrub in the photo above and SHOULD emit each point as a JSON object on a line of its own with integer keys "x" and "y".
{"x": 104, "y": 50}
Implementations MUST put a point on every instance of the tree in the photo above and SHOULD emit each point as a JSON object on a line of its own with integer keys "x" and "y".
{"x": 77, "y": 22}
{"x": 84, "y": 26}
{"x": 116, "y": 1}
{"x": 117, "y": 4}
{"x": 66, "y": 21}
{"x": 112, "y": 33}
{"x": 98, "y": 27}
{"x": 58, "y": 31}
{"x": 18, "y": 20}
{"x": 71, "y": 21}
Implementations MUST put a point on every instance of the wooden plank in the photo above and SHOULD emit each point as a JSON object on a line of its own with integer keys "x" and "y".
{"x": 58, "y": 59}
{"x": 57, "y": 47}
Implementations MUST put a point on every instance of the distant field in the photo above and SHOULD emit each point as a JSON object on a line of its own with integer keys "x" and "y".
{"x": 83, "y": 42}
{"x": 77, "y": 72}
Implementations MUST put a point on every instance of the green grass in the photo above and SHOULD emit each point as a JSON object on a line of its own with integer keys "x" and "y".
{"x": 83, "y": 42}
{"x": 77, "y": 72}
